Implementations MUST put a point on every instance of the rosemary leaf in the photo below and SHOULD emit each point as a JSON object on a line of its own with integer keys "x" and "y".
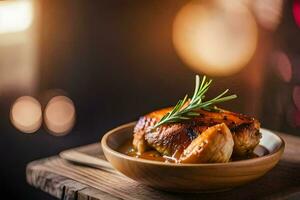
{"x": 186, "y": 108}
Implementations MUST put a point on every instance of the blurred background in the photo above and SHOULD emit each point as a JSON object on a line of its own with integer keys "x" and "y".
{"x": 72, "y": 70}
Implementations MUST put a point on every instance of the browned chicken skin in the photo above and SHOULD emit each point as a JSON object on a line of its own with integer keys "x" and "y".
{"x": 173, "y": 139}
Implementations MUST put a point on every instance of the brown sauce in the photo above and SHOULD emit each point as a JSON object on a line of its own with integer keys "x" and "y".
{"x": 128, "y": 149}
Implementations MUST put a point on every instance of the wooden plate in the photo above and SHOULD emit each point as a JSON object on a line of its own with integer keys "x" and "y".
{"x": 190, "y": 177}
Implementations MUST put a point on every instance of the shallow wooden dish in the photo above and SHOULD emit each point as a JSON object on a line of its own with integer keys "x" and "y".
{"x": 190, "y": 177}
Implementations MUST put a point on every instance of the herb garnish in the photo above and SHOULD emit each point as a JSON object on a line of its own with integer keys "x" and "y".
{"x": 186, "y": 108}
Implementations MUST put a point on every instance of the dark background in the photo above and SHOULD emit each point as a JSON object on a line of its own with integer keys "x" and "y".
{"x": 116, "y": 61}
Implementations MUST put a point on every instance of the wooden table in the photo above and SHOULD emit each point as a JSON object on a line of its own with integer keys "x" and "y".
{"x": 67, "y": 180}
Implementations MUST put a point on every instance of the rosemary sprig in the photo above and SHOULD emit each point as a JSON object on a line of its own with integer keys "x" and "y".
{"x": 186, "y": 108}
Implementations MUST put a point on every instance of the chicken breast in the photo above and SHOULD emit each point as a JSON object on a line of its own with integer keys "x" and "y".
{"x": 213, "y": 145}
{"x": 173, "y": 139}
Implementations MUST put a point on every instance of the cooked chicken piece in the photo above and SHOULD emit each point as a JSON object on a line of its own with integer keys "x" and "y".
{"x": 245, "y": 129}
{"x": 174, "y": 138}
{"x": 170, "y": 140}
{"x": 213, "y": 145}
{"x": 142, "y": 127}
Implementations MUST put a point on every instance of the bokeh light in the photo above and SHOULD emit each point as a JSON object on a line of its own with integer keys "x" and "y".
{"x": 47, "y": 95}
{"x": 296, "y": 96}
{"x": 293, "y": 117}
{"x": 282, "y": 65}
{"x": 26, "y": 114}
{"x": 15, "y": 16}
{"x": 268, "y": 13}
{"x": 296, "y": 11}
{"x": 297, "y": 118}
{"x": 59, "y": 115}
{"x": 217, "y": 39}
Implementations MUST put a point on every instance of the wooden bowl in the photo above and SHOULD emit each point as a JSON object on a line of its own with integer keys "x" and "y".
{"x": 190, "y": 177}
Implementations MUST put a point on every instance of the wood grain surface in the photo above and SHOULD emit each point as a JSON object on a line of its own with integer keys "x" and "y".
{"x": 67, "y": 180}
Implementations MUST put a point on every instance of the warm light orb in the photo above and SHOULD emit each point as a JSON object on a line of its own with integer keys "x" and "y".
{"x": 15, "y": 16}
{"x": 293, "y": 117}
{"x": 26, "y": 114}
{"x": 282, "y": 65}
{"x": 296, "y": 96}
{"x": 296, "y": 11}
{"x": 217, "y": 39}
{"x": 59, "y": 115}
{"x": 268, "y": 13}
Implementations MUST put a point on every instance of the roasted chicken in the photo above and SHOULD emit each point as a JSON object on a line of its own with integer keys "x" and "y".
{"x": 215, "y": 144}
{"x": 209, "y": 137}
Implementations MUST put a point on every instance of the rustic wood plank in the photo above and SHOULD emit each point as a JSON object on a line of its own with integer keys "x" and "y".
{"x": 71, "y": 188}
{"x": 66, "y": 180}
{"x": 46, "y": 181}
{"x": 60, "y": 186}
{"x": 94, "y": 194}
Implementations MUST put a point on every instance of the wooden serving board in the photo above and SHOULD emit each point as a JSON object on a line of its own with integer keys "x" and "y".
{"x": 73, "y": 180}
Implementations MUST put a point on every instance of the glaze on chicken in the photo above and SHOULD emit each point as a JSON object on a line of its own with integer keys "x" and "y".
{"x": 209, "y": 137}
